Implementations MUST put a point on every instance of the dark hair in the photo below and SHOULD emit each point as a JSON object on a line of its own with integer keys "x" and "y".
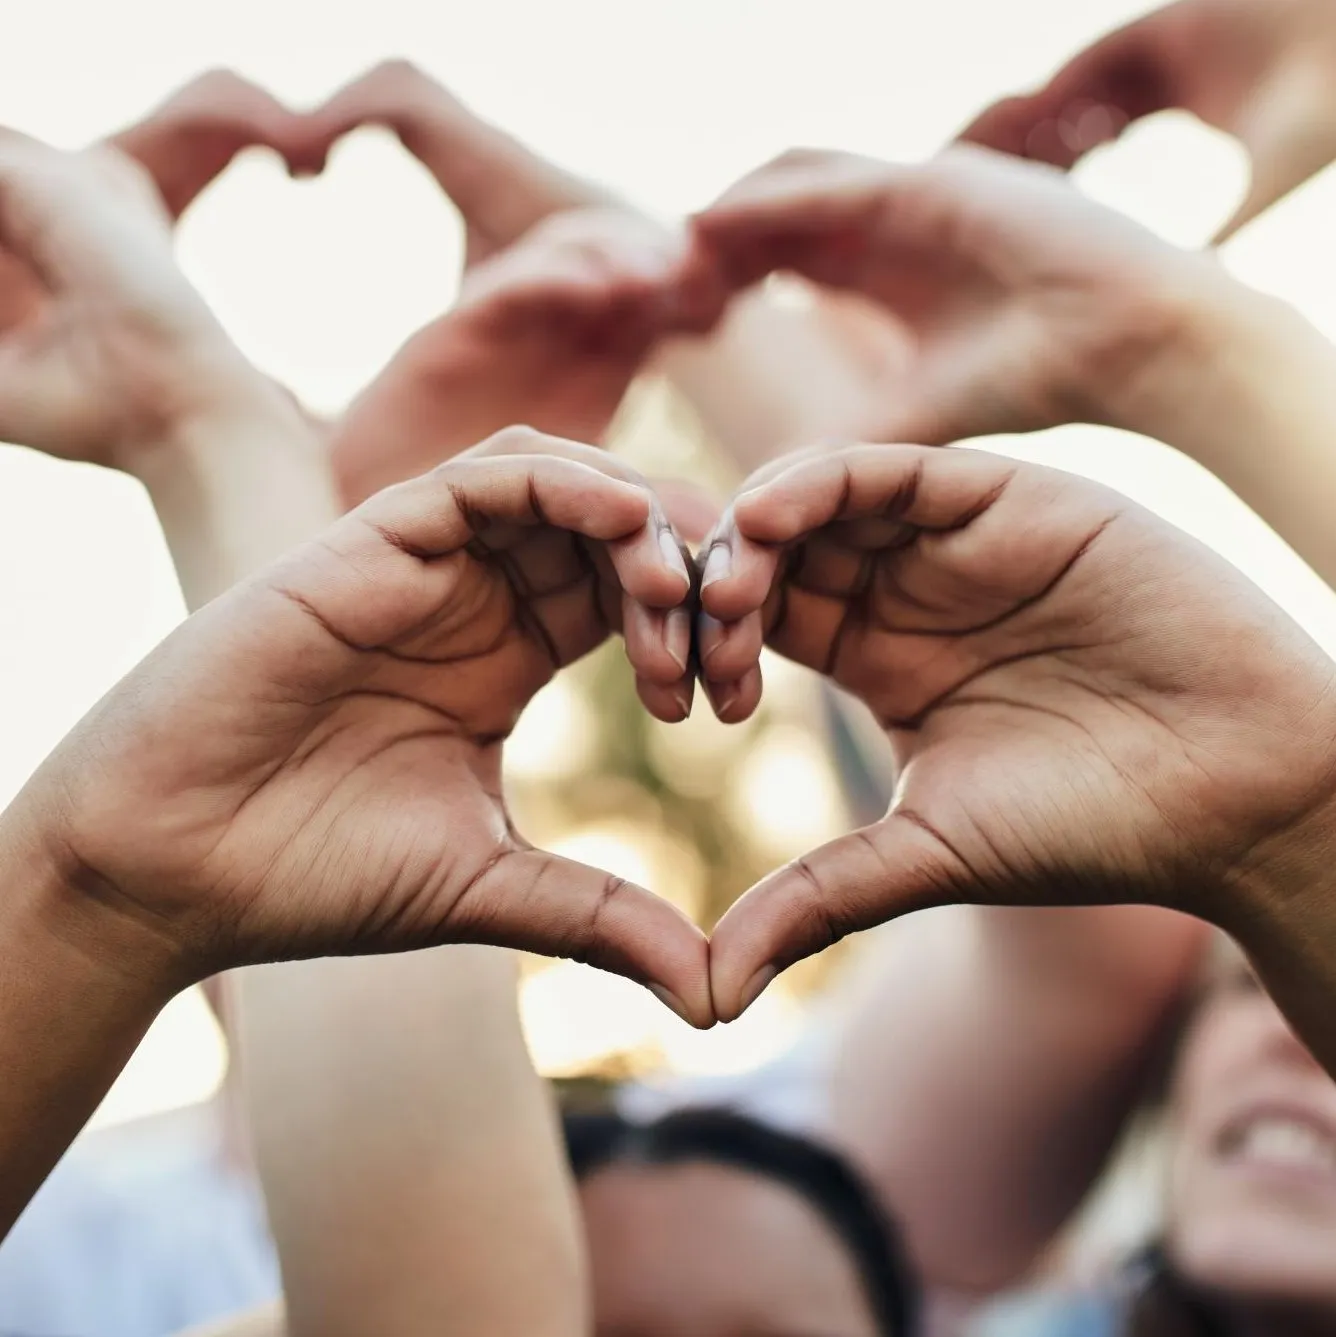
{"x": 818, "y": 1175}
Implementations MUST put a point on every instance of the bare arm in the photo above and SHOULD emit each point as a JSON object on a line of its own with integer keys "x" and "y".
{"x": 1253, "y": 402}
{"x": 237, "y": 477}
{"x": 783, "y": 372}
{"x": 1038, "y": 1023}
{"x": 987, "y": 1063}
{"x": 410, "y": 1154}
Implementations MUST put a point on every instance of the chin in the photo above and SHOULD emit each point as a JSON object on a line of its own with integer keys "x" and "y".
{"x": 1260, "y": 1260}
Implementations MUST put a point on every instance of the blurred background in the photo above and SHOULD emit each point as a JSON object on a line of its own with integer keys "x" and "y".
{"x": 319, "y": 282}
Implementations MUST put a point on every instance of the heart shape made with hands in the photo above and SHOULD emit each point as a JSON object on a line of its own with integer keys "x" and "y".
{"x": 582, "y": 286}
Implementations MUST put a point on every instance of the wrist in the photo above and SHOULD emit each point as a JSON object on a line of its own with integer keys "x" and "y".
{"x": 236, "y": 484}
{"x": 58, "y": 915}
{"x": 1215, "y": 363}
{"x": 83, "y": 984}
{"x": 1282, "y": 911}
{"x": 1171, "y": 338}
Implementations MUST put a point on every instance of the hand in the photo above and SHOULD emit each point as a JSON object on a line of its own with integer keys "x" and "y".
{"x": 191, "y": 139}
{"x": 1021, "y": 303}
{"x": 1085, "y": 705}
{"x": 1264, "y": 71}
{"x": 500, "y": 188}
{"x": 115, "y": 347}
{"x": 549, "y": 332}
{"x": 312, "y": 764}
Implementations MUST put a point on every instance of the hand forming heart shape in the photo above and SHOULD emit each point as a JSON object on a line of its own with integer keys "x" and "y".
{"x": 1030, "y": 643}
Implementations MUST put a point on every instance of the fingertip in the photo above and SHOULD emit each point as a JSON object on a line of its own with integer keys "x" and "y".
{"x": 675, "y": 560}
{"x": 728, "y": 600}
{"x": 728, "y": 650}
{"x": 763, "y": 514}
{"x": 735, "y": 702}
{"x": 670, "y": 703}
{"x": 676, "y": 1005}
{"x": 617, "y": 508}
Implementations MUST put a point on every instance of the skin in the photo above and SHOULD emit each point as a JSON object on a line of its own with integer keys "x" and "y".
{"x": 190, "y": 139}
{"x": 1020, "y": 303}
{"x": 86, "y": 373}
{"x": 1258, "y": 69}
{"x": 182, "y": 146}
{"x": 233, "y": 488}
{"x": 758, "y": 1258}
{"x": 409, "y": 1196}
{"x": 1027, "y": 306}
{"x": 1040, "y": 636}
{"x": 500, "y": 188}
{"x": 296, "y": 771}
{"x": 1257, "y": 1234}
{"x": 550, "y": 331}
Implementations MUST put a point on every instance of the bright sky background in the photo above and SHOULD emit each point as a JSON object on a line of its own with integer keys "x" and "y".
{"x": 667, "y": 103}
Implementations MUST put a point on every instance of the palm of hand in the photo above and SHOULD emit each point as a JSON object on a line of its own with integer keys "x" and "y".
{"x": 1044, "y": 748}
{"x": 78, "y": 380}
{"x": 1018, "y": 299}
{"x": 550, "y": 332}
{"x": 1032, "y": 648}
{"x": 354, "y": 792}
{"x": 1017, "y": 296}
{"x": 103, "y": 334}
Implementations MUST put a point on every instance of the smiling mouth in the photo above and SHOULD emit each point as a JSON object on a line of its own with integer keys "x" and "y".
{"x": 1281, "y": 1142}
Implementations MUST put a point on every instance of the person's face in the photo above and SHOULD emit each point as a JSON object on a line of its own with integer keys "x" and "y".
{"x": 1252, "y": 1201}
{"x": 699, "y": 1250}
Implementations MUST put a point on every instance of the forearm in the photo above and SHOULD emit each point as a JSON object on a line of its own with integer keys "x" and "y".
{"x": 1283, "y": 913}
{"x": 1038, "y": 1026}
{"x": 409, "y": 1152}
{"x": 780, "y": 375}
{"x": 236, "y": 488}
{"x": 403, "y": 424}
{"x": 79, "y": 991}
{"x": 1254, "y": 401}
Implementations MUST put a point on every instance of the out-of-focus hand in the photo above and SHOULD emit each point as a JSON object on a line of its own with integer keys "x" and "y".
{"x": 1086, "y": 707}
{"x": 192, "y": 138}
{"x": 312, "y": 763}
{"x": 1264, "y": 71}
{"x": 500, "y": 188}
{"x": 549, "y": 332}
{"x": 114, "y": 348}
{"x": 1021, "y": 303}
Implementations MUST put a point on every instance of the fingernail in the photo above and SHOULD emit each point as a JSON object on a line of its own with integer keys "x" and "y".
{"x": 683, "y": 697}
{"x": 671, "y": 1001}
{"x": 756, "y": 986}
{"x": 710, "y": 630}
{"x": 672, "y": 555}
{"x": 717, "y": 565}
{"x": 678, "y": 637}
{"x": 724, "y": 701}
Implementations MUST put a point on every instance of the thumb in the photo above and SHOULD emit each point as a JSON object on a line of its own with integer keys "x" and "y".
{"x": 1290, "y": 134}
{"x": 533, "y": 901}
{"x": 856, "y": 882}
